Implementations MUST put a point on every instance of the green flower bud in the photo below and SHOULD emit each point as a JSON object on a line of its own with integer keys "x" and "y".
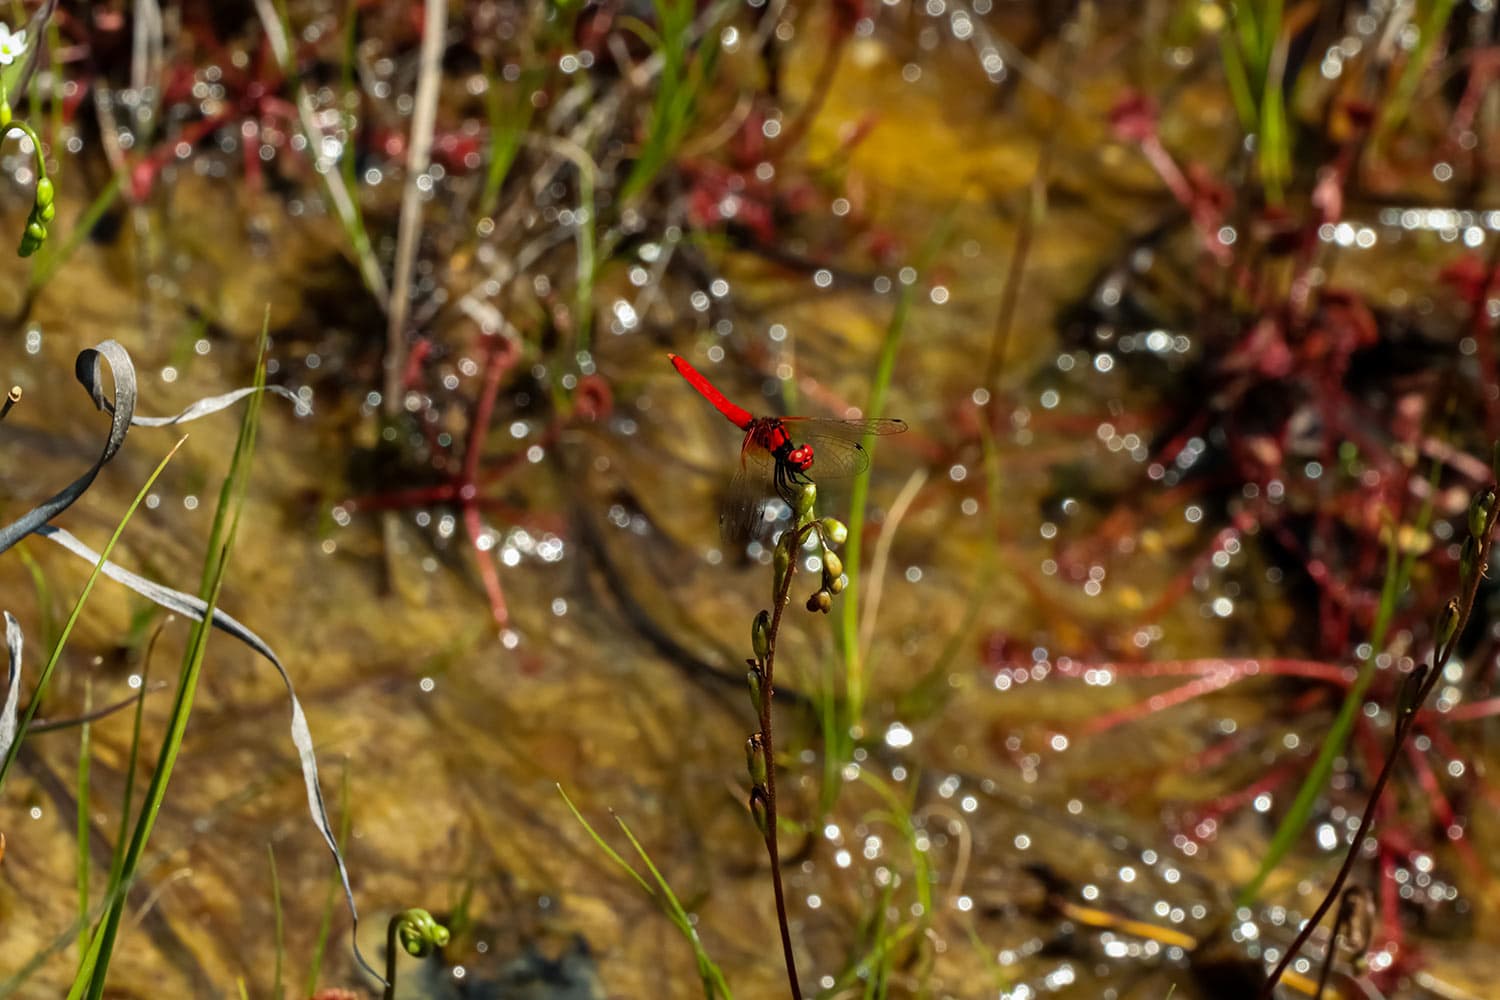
{"x": 36, "y": 231}
{"x": 5, "y": 113}
{"x": 47, "y": 212}
{"x": 753, "y": 678}
{"x": 805, "y": 501}
{"x": 760, "y": 635}
{"x": 837, "y": 584}
{"x": 835, "y": 532}
{"x": 44, "y": 192}
{"x": 833, "y": 566}
{"x": 755, "y": 760}
{"x": 419, "y": 933}
{"x": 1447, "y": 623}
{"x": 758, "y": 810}
{"x": 1479, "y": 512}
{"x": 821, "y": 600}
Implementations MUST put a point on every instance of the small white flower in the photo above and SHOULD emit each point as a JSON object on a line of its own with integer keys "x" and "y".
{"x": 12, "y": 47}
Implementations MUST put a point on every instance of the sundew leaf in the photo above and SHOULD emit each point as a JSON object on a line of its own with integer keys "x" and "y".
{"x": 88, "y": 368}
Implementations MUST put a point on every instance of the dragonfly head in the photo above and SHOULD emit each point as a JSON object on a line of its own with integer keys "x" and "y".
{"x": 800, "y": 457}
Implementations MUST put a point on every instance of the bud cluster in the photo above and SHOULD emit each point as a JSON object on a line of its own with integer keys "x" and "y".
{"x": 1445, "y": 630}
{"x": 43, "y": 211}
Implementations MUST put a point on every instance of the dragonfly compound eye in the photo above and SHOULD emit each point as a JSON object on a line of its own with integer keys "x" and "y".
{"x": 800, "y": 458}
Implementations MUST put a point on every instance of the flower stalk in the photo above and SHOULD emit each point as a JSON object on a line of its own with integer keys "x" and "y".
{"x": 1447, "y": 631}
{"x": 12, "y": 47}
{"x": 760, "y": 754}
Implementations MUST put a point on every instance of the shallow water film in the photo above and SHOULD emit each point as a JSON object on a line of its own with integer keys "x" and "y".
{"x": 749, "y": 499}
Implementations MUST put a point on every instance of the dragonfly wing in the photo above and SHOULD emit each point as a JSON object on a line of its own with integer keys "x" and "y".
{"x": 837, "y": 447}
{"x": 742, "y": 517}
{"x": 844, "y": 430}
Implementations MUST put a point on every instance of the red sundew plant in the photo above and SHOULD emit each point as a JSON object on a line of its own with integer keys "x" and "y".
{"x": 1340, "y": 434}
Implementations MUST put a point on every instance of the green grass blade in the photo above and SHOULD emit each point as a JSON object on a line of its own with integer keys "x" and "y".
{"x": 92, "y": 973}
{"x": 1237, "y": 79}
{"x": 1274, "y": 140}
{"x": 603, "y": 845}
{"x": 43, "y": 595}
{"x": 1397, "y": 574}
{"x": 509, "y": 121}
{"x": 713, "y": 979}
{"x": 277, "y": 993}
{"x": 1395, "y": 110}
{"x": 714, "y": 984}
{"x": 885, "y": 367}
{"x": 81, "y": 858}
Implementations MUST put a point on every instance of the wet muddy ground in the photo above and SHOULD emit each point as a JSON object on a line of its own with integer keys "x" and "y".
{"x": 993, "y": 780}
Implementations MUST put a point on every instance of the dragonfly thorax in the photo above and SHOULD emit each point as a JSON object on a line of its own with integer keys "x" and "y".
{"x": 771, "y": 434}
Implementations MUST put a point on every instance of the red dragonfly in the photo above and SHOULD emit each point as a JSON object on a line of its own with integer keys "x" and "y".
{"x": 771, "y": 461}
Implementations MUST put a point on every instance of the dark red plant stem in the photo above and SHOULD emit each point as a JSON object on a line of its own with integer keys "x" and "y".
{"x": 502, "y": 355}
{"x": 1390, "y": 904}
{"x": 1225, "y": 804}
{"x": 1442, "y": 810}
{"x": 767, "y": 690}
{"x": 1164, "y": 700}
{"x": 1404, "y": 725}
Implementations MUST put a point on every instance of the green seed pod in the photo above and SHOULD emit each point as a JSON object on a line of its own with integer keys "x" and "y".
{"x": 760, "y": 635}
{"x": 755, "y": 760}
{"x": 758, "y": 810}
{"x": 36, "y": 231}
{"x": 1479, "y": 512}
{"x": 753, "y": 678}
{"x": 821, "y": 600}
{"x": 835, "y": 532}
{"x": 781, "y": 563}
{"x": 837, "y": 584}
{"x": 805, "y": 502}
{"x": 44, "y": 192}
{"x": 47, "y": 212}
{"x": 833, "y": 566}
{"x": 1447, "y": 623}
{"x": 1406, "y": 701}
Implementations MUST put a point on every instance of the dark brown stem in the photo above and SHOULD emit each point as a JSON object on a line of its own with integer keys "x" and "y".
{"x": 1405, "y": 722}
{"x": 768, "y": 667}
